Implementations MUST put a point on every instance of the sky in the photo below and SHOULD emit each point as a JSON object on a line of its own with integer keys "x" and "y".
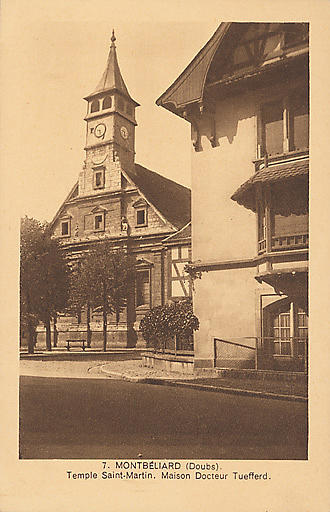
{"x": 54, "y": 53}
{"x": 58, "y": 59}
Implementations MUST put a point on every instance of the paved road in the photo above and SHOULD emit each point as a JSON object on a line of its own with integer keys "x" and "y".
{"x": 97, "y": 418}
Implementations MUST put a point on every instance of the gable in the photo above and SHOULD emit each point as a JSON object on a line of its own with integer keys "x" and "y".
{"x": 171, "y": 200}
{"x": 234, "y": 50}
{"x": 250, "y": 46}
{"x": 188, "y": 87}
{"x": 166, "y": 206}
{"x": 72, "y": 194}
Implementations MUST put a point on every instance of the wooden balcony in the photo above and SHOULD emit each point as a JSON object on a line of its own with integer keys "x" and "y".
{"x": 290, "y": 242}
{"x": 284, "y": 243}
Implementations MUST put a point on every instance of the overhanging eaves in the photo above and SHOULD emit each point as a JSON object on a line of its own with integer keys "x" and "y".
{"x": 189, "y": 86}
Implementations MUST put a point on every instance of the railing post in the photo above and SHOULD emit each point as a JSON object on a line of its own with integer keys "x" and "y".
{"x": 256, "y": 355}
{"x": 306, "y": 357}
{"x": 215, "y": 352}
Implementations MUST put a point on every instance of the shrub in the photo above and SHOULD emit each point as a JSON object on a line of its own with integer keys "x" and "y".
{"x": 164, "y": 323}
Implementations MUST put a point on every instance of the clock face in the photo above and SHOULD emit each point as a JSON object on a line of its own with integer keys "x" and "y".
{"x": 124, "y": 132}
{"x": 99, "y": 130}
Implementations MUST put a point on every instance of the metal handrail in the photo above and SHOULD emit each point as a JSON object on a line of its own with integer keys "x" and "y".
{"x": 238, "y": 344}
{"x": 257, "y": 348}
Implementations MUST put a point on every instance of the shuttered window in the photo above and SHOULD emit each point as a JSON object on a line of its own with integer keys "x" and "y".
{"x": 299, "y": 122}
{"x": 272, "y": 117}
{"x": 294, "y": 119}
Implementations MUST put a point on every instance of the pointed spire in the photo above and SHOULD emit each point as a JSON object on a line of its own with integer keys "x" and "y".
{"x": 113, "y": 38}
{"x": 111, "y": 78}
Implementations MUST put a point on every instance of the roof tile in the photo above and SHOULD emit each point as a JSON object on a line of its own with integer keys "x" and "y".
{"x": 171, "y": 199}
{"x": 269, "y": 174}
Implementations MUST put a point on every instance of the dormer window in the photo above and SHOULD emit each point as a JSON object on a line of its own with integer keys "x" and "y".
{"x": 141, "y": 217}
{"x": 99, "y": 222}
{"x": 141, "y": 213}
{"x": 98, "y": 178}
{"x": 107, "y": 102}
{"x": 95, "y": 106}
{"x": 65, "y": 227}
{"x": 95, "y": 220}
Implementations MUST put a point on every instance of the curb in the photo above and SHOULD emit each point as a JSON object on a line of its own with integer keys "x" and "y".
{"x": 65, "y": 355}
{"x": 123, "y": 376}
{"x": 233, "y": 391}
{"x": 200, "y": 387}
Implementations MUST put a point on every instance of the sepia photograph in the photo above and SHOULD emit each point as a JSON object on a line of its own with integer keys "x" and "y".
{"x": 164, "y": 306}
{"x": 136, "y": 307}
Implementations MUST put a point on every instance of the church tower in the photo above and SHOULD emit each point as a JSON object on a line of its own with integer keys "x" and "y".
{"x": 110, "y": 131}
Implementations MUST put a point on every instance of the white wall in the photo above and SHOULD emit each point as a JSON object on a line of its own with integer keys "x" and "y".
{"x": 224, "y": 300}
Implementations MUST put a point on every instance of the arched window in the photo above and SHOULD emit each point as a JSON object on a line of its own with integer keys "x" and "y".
{"x": 282, "y": 330}
{"x": 107, "y": 102}
{"x": 286, "y": 326}
{"x": 95, "y": 106}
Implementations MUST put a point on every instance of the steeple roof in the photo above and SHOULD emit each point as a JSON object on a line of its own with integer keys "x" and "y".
{"x": 111, "y": 78}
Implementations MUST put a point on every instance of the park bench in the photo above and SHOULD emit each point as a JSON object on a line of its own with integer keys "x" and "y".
{"x": 75, "y": 340}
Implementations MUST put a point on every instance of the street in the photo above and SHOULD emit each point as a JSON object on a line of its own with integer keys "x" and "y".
{"x": 110, "y": 419}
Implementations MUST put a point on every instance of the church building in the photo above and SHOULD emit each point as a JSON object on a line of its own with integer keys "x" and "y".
{"x": 246, "y": 97}
{"x": 118, "y": 200}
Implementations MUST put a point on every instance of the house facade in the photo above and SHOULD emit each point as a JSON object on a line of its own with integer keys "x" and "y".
{"x": 246, "y": 96}
{"x": 118, "y": 200}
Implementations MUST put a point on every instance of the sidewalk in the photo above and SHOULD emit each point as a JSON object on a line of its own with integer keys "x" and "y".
{"x": 77, "y": 354}
{"x": 129, "y": 369}
{"x": 135, "y": 372}
{"x": 132, "y": 370}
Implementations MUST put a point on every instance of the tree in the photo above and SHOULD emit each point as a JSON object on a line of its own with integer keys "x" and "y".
{"x": 79, "y": 295}
{"x": 44, "y": 278}
{"x": 106, "y": 276}
{"x": 31, "y": 232}
{"x": 162, "y": 323}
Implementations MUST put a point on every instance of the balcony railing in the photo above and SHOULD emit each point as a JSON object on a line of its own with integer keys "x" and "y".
{"x": 284, "y": 242}
{"x": 289, "y": 241}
